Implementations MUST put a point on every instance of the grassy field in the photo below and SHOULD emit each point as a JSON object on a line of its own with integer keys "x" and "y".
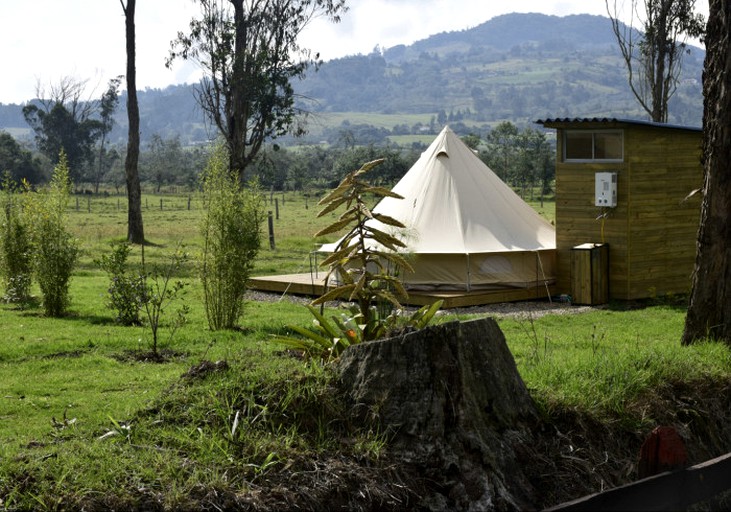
{"x": 82, "y": 418}
{"x": 335, "y": 120}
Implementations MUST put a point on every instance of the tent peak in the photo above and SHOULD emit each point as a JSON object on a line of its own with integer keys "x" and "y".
{"x": 442, "y": 142}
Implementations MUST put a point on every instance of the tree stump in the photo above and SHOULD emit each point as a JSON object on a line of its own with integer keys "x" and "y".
{"x": 454, "y": 405}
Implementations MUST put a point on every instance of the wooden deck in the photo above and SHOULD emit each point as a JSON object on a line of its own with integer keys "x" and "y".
{"x": 311, "y": 285}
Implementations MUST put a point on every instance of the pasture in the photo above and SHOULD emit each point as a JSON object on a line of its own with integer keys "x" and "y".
{"x": 83, "y": 417}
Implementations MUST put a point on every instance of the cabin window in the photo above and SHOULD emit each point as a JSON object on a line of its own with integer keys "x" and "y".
{"x": 583, "y": 145}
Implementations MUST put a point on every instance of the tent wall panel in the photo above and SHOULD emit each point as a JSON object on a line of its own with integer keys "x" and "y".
{"x": 465, "y": 228}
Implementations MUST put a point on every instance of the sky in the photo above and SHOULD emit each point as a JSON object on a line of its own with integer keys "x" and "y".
{"x": 45, "y": 41}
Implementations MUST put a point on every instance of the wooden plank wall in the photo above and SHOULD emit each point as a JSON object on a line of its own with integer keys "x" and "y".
{"x": 652, "y": 231}
{"x": 663, "y": 225}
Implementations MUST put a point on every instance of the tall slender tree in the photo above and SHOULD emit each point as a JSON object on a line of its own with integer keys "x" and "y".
{"x": 654, "y": 56}
{"x": 135, "y": 230}
{"x": 249, "y": 53}
{"x": 709, "y": 312}
{"x": 107, "y": 106}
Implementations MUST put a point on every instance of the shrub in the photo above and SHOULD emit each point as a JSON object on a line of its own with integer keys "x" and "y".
{"x": 231, "y": 229}
{"x": 143, "y": 290}
{"x": 55, "y": 250}
{"x": 159, "y": 290}
{"x": 15, "y": 254}
{"x": 126, "y": 289}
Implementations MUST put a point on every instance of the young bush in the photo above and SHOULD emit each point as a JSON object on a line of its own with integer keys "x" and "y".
{"x": 159, "y": 290}
{"x": 231, "y": 229}
{"x": 368, "y": 275}
{"x": 126, "y": 289}
{"x": 139, "y": 291}
{"x": 367, "y": 272}
{"x": 15, "y": 254}
{"x": 55, "y": 250}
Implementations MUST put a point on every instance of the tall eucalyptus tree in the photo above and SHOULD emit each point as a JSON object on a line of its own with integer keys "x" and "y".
{"x": 135, "y": 228}
{"x": 249, "y": 53}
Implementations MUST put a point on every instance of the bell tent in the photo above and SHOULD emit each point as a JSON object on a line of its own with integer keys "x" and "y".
{"x": 465, "y": 228}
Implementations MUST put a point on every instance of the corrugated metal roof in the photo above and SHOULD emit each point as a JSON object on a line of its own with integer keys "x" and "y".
{"x": 613, "y": 120}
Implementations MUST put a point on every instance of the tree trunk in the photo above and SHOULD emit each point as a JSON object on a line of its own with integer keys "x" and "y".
{"x": 135, "y": 231}
{"x": 238, "y": 114}
{"x": 709, "y": 312}
{"x": 452, "y": 404}
{"x": 98, "y": 177}
{"x": 660, "y": 55}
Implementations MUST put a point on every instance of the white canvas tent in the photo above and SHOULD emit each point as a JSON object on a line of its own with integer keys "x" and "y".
{"x": 466, "y": 229}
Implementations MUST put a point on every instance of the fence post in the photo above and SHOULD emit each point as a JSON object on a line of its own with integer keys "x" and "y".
{"x": 161, "y": 204}
{"x": 272, "y": 245}
{"x": 276, "y": 207}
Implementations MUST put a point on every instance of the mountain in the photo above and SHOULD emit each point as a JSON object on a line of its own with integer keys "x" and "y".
{"x": 515, "y": 67}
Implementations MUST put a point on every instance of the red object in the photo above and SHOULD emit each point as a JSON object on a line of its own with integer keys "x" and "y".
{"x": 663, "y": 450}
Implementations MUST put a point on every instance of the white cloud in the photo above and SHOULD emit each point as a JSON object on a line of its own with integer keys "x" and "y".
{"x": 49, "y": 39}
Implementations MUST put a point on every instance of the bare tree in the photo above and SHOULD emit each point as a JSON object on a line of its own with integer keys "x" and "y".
{"x": 135, "y": 230}
{"x": 709, "y": 312}
{"x": 62, "y": 119}
{"x": 249, "y": 53}
{"x": 70, "y": 92}
{"x": 654, "y": 55}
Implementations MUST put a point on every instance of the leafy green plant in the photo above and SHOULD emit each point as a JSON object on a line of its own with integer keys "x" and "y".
{"x": 328, "y": 339}
{"x": 16, "y": 268}
{"x": 55, "y": 250}
{"x": 365, "y": 262}
{"x": 231, "y": 230}
{"x": 126, "y": 289}
{"x": 122, "y": 429}
{"x": 159, "y": 290}
{"x": 366, "y": 265}
{"x": 145, "y": 291}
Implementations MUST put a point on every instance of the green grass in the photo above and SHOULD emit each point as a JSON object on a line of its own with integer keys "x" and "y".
{"x": 408, "y": 140}
{"x": 606, "y": 362}
{"x": 81, "y": 420}
{"x": 335, "y": 119}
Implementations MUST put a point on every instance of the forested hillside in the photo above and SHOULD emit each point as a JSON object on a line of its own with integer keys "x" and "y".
{"x": 516, "y": 67}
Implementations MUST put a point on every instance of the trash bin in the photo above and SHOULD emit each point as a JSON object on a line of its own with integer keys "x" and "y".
{"x": 590, "y": 274}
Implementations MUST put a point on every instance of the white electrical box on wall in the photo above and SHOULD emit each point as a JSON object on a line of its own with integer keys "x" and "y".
{"x": 606, "y": 189}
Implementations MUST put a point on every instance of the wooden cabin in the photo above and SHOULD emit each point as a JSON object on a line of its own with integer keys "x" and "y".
{"x": 650, "y": 233}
